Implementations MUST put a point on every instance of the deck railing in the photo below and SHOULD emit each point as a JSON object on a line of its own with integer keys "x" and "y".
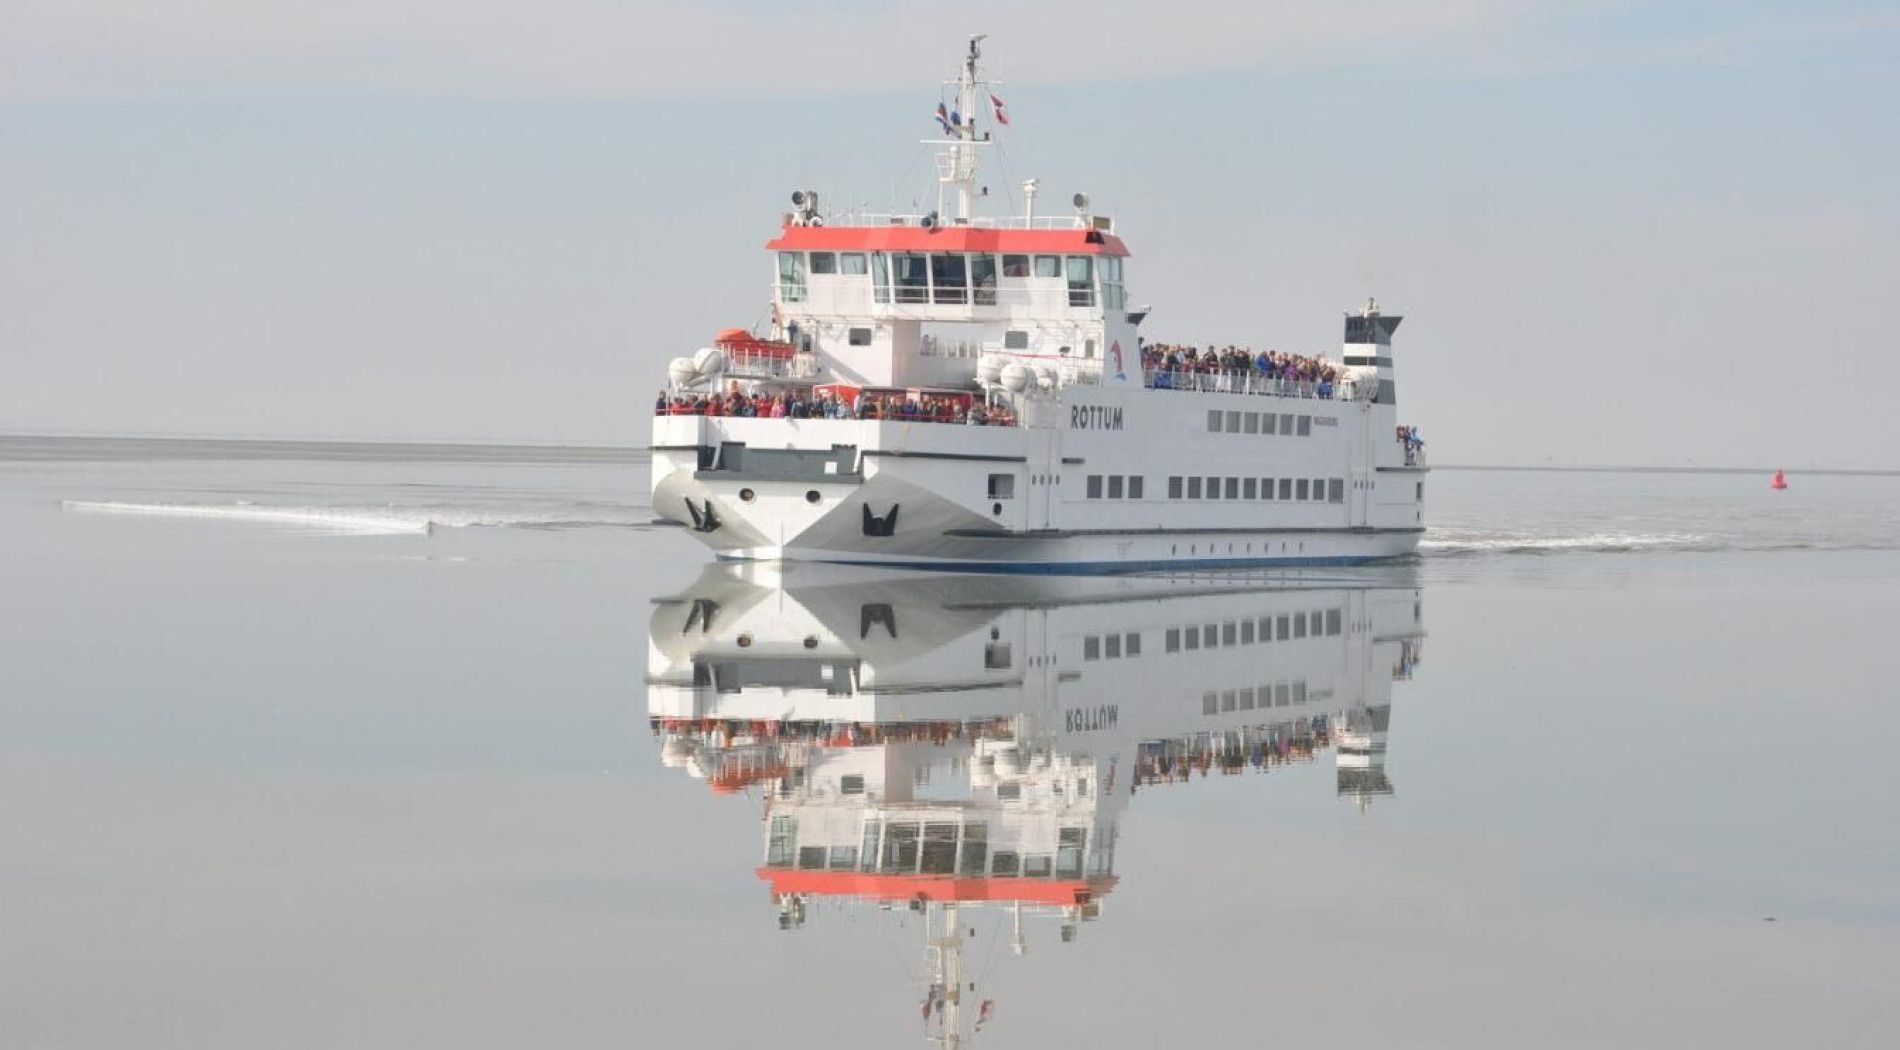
{"x": 1236, "y": 382}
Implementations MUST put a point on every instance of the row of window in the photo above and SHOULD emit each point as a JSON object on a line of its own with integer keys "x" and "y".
{"x": 1233, "y": 421}
{"x": 1114, "y": 486}
{"x": 1327, "y": 490}
{"x": 953, "y": 277}
{"x": 1280, "y": 694}
{"x": 1284, "y": 627}
{"x": 1111, "y": 647}
{"x": 930, "y": 849}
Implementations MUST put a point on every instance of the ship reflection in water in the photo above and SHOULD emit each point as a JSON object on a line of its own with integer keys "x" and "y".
{"x": 934, "y": 743}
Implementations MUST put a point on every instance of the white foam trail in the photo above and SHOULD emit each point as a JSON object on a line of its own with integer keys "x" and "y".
{"x": 1455, "y": 542}
{"x": 309, "y": 517}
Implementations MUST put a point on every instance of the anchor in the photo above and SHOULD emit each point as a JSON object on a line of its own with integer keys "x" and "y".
{"x": 703, "y": 520}
{"x": 876, "y": 526}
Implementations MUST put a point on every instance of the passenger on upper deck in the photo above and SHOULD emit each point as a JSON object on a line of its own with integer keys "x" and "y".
{"x": 1236, "y": 370}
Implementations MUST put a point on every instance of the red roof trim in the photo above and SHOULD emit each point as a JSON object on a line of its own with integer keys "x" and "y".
{"x": 944, "y": 239}
{"x": 1063, "y": 892}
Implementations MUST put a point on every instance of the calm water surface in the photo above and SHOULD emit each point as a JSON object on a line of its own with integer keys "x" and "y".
{"x": 365, "y": 748}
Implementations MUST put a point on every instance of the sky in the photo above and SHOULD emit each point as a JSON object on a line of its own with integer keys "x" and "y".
{"x": 1621, "y": 232}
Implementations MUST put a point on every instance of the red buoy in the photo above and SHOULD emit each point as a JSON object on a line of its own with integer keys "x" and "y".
{"x": 1780, "y": 482}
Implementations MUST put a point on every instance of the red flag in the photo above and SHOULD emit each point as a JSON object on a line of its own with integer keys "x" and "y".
{"x": 1001, "y": 111}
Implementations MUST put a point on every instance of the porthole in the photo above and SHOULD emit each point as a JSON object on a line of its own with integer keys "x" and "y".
{"x": 996, "y": 509}
{"x": 745, "y": 641}
{"x": 747, "y": 495}
{"x": 812, "y": 496}
{"x": 811, "y": 641}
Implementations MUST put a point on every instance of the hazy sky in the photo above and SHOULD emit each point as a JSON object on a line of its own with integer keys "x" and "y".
{"x": 1622, "y": 232}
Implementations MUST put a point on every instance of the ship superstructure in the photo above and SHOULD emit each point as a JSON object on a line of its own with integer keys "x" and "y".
{"x": 961, "y": 390}
{"x": 967, "y": 742}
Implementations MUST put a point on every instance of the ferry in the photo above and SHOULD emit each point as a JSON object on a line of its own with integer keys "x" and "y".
{"x": 964, "y": 746}
{"x": 967, "y": 391}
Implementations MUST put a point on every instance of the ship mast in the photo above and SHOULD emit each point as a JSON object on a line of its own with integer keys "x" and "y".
{"x": 956, "y": 166}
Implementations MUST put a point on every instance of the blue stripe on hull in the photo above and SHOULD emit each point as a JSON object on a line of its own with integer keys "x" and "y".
{"x": 1099, "y": 568}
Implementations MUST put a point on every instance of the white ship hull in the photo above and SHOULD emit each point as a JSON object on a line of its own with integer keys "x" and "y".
{"x": 1056, "y": 494}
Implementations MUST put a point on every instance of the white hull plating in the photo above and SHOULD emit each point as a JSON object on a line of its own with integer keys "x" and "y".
{"x": 1042, "y": 497}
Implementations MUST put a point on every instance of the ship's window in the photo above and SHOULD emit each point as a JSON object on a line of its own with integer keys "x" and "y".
{"x": 1319, "y": 488}
{"x": 1036, "y": 866}
{"x": 900, "y": 848}
{"x": 824, "y": 262}
{"x": 1299, "y": 625}
{"x": 811, "y": 857}
{"x": 851, "y": 784}
{"x": 983, "y": 279}
{"x": 1300, "y": 488}
{"x": 1420, "y": 494}
{"x": 949, "y": 277}
{"x": 1283, "y": 628}
{"x": 1008, "y": 792}
{"x": 1246, "y": 699}
{"x": 1114, "y": 486}
{"x": 1266, "y": 622}
{"x": 1266, "y": 484}
{"x": 1251, "y": 423}
{"x": 996, "y": 656}
{"x": 851, "y": 264}
{"x": 976, "y": 850}
{"x": 1112, "y": 294}
{"x": 1002, "y": 486}
{"x": 1306, "y": 426}
{"x": 1003, "y": 861}
{"x": 1131, "y": 644}
{"x": 1266, "y": 423}
{"x": 1299, "y": 692}
{"x": 1015, "y": 266}
{"x": 1286, "y": 488}
{"x": 1194, "y": 488}
{"x": 1286, "y": 424}
{"x": 1281, "y": 694}
{"x": 1172, "y": 640}
{"x": 912, "y": 270}
{"x": 1233, "y": 488}
{"x": 1081, "y": 280}
{"x": 844, "y": 858}
{"x": 880, "y": 277}
{"x": 1250, "y": 488}
{"x": 1213, "y": 488}
{"x": 1210, "y": 703}
{"x": 1193, "y": 638}
{"x": 791, "y": 276}
{"x": 1112, "y": 647}
{"x": 1095, "y": 486}
{"x": 1233, "y": 422}
{"x": 1088, "y": 349}
{"x": 1332, "y": 621}
{"x": 1213, "y": 420}
{"x": 1015, "y": 339}
{"x": 1134, "y": 486}
{"x": 1227, "y": 633}
{"x": 1174, "y": 487}
{"x": 1210, "y": 633}
{"x": 781, "y": 842}
{"x": 858, "y": 337}
{"x": 1048, "y": 266}
{"x": 1246, "y": 631}
{"x": 1336, "y": 490}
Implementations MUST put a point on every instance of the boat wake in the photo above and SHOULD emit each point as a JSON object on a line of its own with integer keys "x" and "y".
{"x": 1460, "y": 542}
{"x": 379, "y": 520}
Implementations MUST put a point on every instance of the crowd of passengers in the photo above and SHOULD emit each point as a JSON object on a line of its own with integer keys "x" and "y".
{"x": 726, "y": 732}
{"x": 1172, "y": 761}
{"x": 1168, "y": 366}
{"x": 791, "y": 404}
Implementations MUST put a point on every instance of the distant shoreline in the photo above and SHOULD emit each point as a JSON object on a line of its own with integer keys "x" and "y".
{"x": 81, "y": 447}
